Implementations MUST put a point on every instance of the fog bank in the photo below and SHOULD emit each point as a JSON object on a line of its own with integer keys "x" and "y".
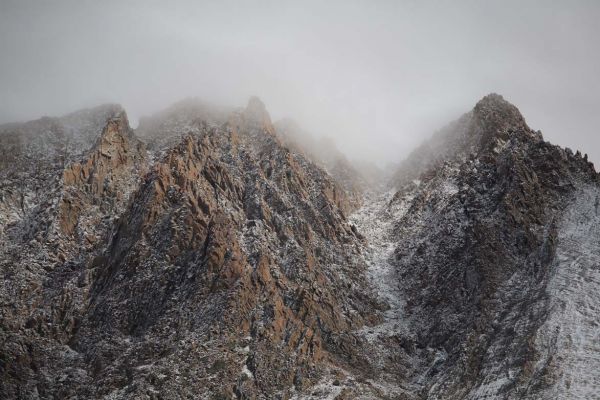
{"x": 377, "y": 77}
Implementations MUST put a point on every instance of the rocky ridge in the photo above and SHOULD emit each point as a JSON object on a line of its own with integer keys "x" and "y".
{"x": 208, "y": 254}
{"x": 222, "y": 265}
{"x": 482, "y": 225}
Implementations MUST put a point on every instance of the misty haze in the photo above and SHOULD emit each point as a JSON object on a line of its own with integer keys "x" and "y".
{"x": 299, "y": 200}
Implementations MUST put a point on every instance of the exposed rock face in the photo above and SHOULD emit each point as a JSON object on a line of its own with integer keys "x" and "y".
{"x": 205, "y": 256}
{"x": 227, "y": 268}
{"x": 482, "y": 230}
{"x": 43, "y": 287}
{"x": 99, "y": 187}
{"x": 34, "y": 154}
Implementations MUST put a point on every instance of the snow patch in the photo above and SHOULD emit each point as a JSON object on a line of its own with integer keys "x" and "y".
{"x": 247, "y": 372}
{"x": 375, "y": 221}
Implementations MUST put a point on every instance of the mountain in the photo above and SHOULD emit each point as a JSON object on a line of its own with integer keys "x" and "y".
{"x": 492, "y": 243}
{"x": 210, "y": 253}
{"x": 215, "y": 262}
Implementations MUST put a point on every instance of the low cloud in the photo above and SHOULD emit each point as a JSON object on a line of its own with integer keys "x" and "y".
{"x": 376, "y": 77}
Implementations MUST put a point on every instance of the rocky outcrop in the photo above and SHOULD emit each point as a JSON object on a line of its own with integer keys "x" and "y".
{"x": 255, "y": 116}
{"x": 206, "y": 255}
{"x": 99, "y": 186}
{"x": 476, "y": 226}
{"x": 230, "y": 270}
{"x": 33, "y": 156}
{"x": 45, "y": 285}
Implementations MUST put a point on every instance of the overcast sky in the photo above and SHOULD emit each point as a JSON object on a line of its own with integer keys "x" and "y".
{"x": 376, "y": 76}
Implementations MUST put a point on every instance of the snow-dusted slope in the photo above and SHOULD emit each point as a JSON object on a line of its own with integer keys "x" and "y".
{"x": 375, "y": 221}
{"x": 232, "y": 270}
{"x": 479, "y": 253}
{"x": 572, "y": 332}
{"x": 387, "y": 342}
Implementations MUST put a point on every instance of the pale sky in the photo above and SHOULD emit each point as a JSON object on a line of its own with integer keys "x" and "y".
{"x": 376, "y": 76}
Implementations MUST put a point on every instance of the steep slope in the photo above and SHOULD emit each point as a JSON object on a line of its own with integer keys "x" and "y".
{"x": 204, "y": 255}
{"x": 255, "y": 259}
{"x": 483, "y": 225}
{"x": 225, "y": 268}
{"x": 567, "y": 344}
{"x": 68, "y": 208}
{"x": 324, "y": 153}
{"x": 33, "y": 155}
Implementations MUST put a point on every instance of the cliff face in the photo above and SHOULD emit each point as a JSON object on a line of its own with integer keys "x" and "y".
{"x": 259, "y": 272}
{"x": 225, "y": 267}
{"x": 483, "y": 229}
{"x": 33, "y": 156}
{"x": 98, "y": 187}
{"x": 204, "y": 256}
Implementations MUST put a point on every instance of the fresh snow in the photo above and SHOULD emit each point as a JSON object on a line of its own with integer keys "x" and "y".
{"x": 572, "y": 331}
{"x": 247, "y": 372}
{"x": 375, "y": 221}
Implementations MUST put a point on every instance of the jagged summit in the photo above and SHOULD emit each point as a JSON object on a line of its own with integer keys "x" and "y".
{"x": 218, "y": 248}
{"x": 496, "y": 118}
{"x": 256, "y": 107}
{"x": 118, "y": 123}
{"x": 491, "y": 228}
{"x": 485, "y": 131}
{"x": 256, "y": 115}
{"x": 496, "y": 104}
{"x": 104, "y": 177}
{"x": 204, "y": 255}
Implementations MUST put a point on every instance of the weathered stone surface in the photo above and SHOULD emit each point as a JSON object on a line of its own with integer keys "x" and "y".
{"x": 227, "y": 267}
{"x": 324, "y": 153}
{"x": 206, "y": 255}
{"x": 476, "y": 224}
{"x": 104, "y": 179}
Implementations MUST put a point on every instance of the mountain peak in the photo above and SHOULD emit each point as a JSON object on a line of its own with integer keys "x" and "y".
{"x": 498, "y": 117}
{"x": 496, "y": 103}
{"x": 256, "y": 108}
{"x": 257, "y": 114}
{"x": 119, "y": 119}
{"x": 231, "y": 260}
{"x": 254, "y": 102}
{"x": 117, "y": 125}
